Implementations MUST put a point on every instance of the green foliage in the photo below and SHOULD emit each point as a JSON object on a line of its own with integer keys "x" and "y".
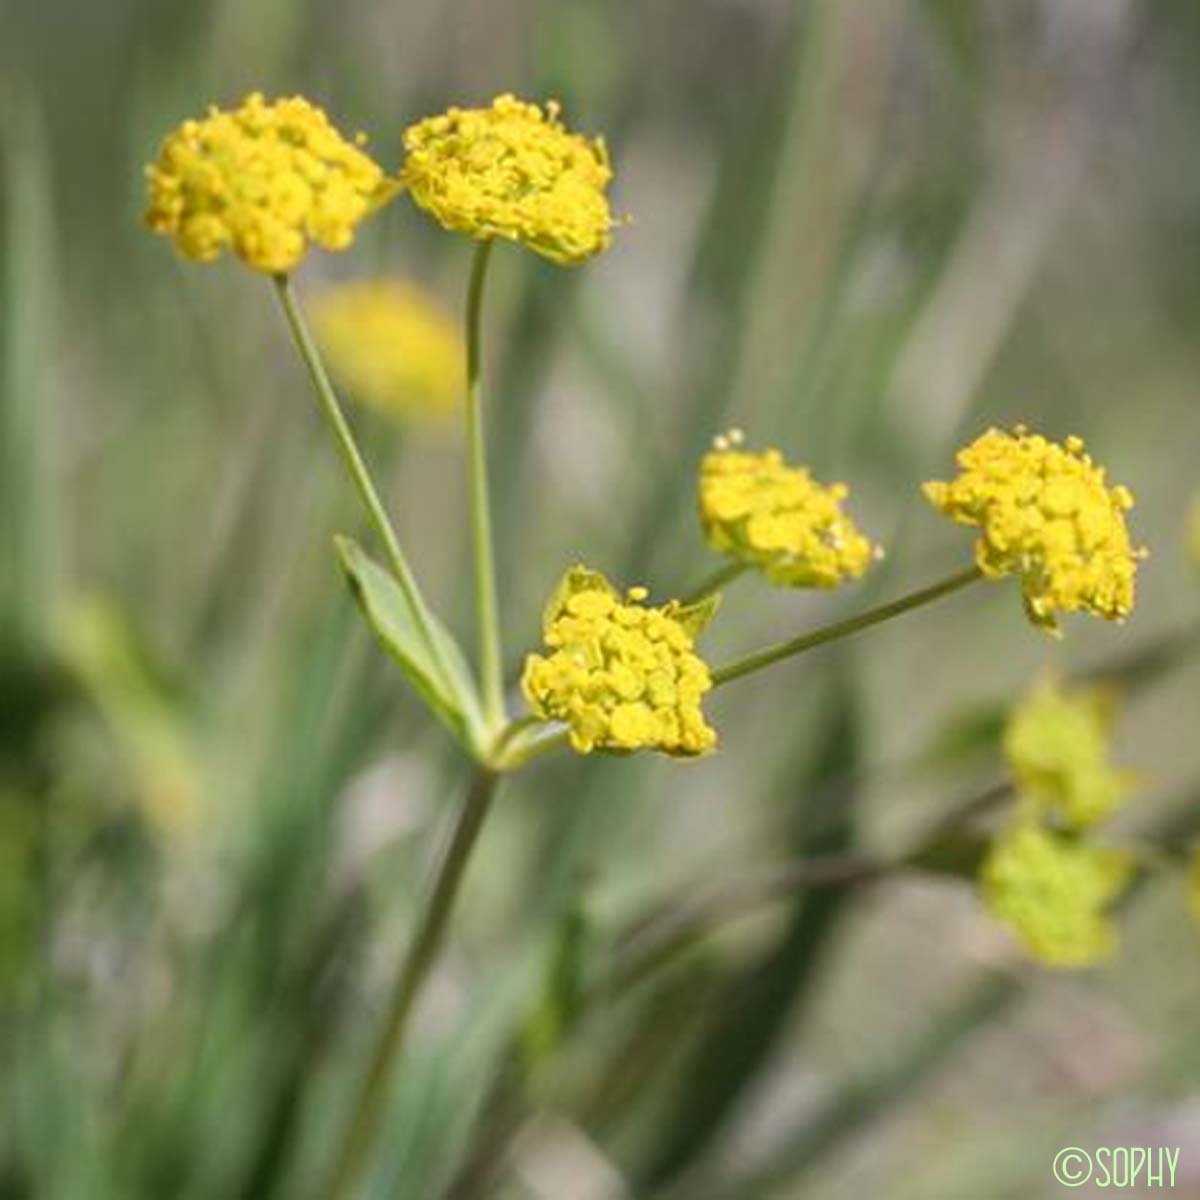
{"x": 855, "y": 232}
{"x": 28, "y": 274}
{"x": 389, "y": 612}
{"x": 749, "y": 1015}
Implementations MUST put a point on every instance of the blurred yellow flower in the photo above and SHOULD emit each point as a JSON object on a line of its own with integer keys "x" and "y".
{"x": 512, "y": 171}
{"x": 1057, "y": 745}
{"x": 265, "y": 179}
{"x": 766, "y": 514}
{"x": 1193, "y": 884}
{"x": 1047, "y": 515}
{"x": 392, "y": 345}
{"x": 1054, "y": 893}
{"x": 621, "y": 675}
{"x": 1193, "y": 532}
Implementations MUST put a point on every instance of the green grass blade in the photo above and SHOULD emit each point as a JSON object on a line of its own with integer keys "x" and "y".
{"x": 27, "y": 288}
{"x": 759, "y": 1002}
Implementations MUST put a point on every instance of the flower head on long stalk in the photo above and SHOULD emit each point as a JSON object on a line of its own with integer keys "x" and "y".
{"x": 766, "y": 514}
{"x": 621, "y": 674}
{"x": 1047, "y": 515}
{"x": 265, "y": 180}
{"x": 512, "y": 171}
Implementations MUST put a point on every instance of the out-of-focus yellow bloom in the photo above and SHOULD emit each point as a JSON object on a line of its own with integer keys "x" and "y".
{"x": 1193, "y": 532}
{"x": 621, "y": 675}
{"x": 1046, "y": 515}
{"x": 1057, "y": 744}
{"x": 766, "y": 514}
{"x": 265, "y": 180}
{"x": 1193, "y": 884}
{"x": 512, "y": 171}
{"x": 392, "y": 345}
{"x": 1054, "y": 893}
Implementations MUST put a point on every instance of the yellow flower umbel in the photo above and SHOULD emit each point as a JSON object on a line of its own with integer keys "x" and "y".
{"x": 512, "y": 171}
{"x": 392, "y": 345}
{"x": 621, "y": 676}
{"x": 1047, "y": 515}
{"x": 1057, "y": 745}
{"x": 777, "y": 518}
{"x": 1054, "y": 893}
{"x": 265, "y": 180}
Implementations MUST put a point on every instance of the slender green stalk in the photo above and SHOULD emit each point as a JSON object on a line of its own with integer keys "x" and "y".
{"x": 353, "y": 461}
{"x": 715, "y": 582}
{"x": 506, "y": 758}
{"x": 486, "y": 608}
{"x": 841, "y": 629}
{"x": 422, "y": 952}
{"x": 515, "y": 728}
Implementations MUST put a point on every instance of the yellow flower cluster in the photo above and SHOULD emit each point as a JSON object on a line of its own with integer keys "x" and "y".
{"x": 1193, "y": 532}
{"x": 621, "y": 675}
{"x": 1047, "y": 515}
{"x": 777, "y": 518}
{"x": 392, "y": 346}
{"x": 512, "y": 171}
{"x": 1054, "y": 893}
{"x": 1057, "y": 744}
{"x": 1043, "y": 875}
{"x": 264, "y": 180}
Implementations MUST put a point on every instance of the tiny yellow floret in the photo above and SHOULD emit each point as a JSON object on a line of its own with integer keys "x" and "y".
{"x": 264, "y": 179}
{"x": 766, "y": 514}
{"x": 512, "y": 171}
{"x": 1054, "y": 893}
{"x": 1046, "y": 515}
{"x": 392, "y": 345}
{"x": 621, "y": 675}
{"x": 1057, "y": 745}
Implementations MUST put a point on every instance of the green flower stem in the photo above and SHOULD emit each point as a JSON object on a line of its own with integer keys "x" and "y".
{"x": 355, "y": 466}
{"x": 511, "y": 759}
{"x": 515, "y": 728}
{"x": 715, "y": 582}
{"x": 508, "y": 755}
{"x": 422, "y": 952}
{"x": 841, "y": 629}
{"x": 491, "y": 670}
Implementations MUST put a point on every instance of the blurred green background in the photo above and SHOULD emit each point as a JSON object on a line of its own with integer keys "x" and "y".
{"x": 862, "y": 230}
